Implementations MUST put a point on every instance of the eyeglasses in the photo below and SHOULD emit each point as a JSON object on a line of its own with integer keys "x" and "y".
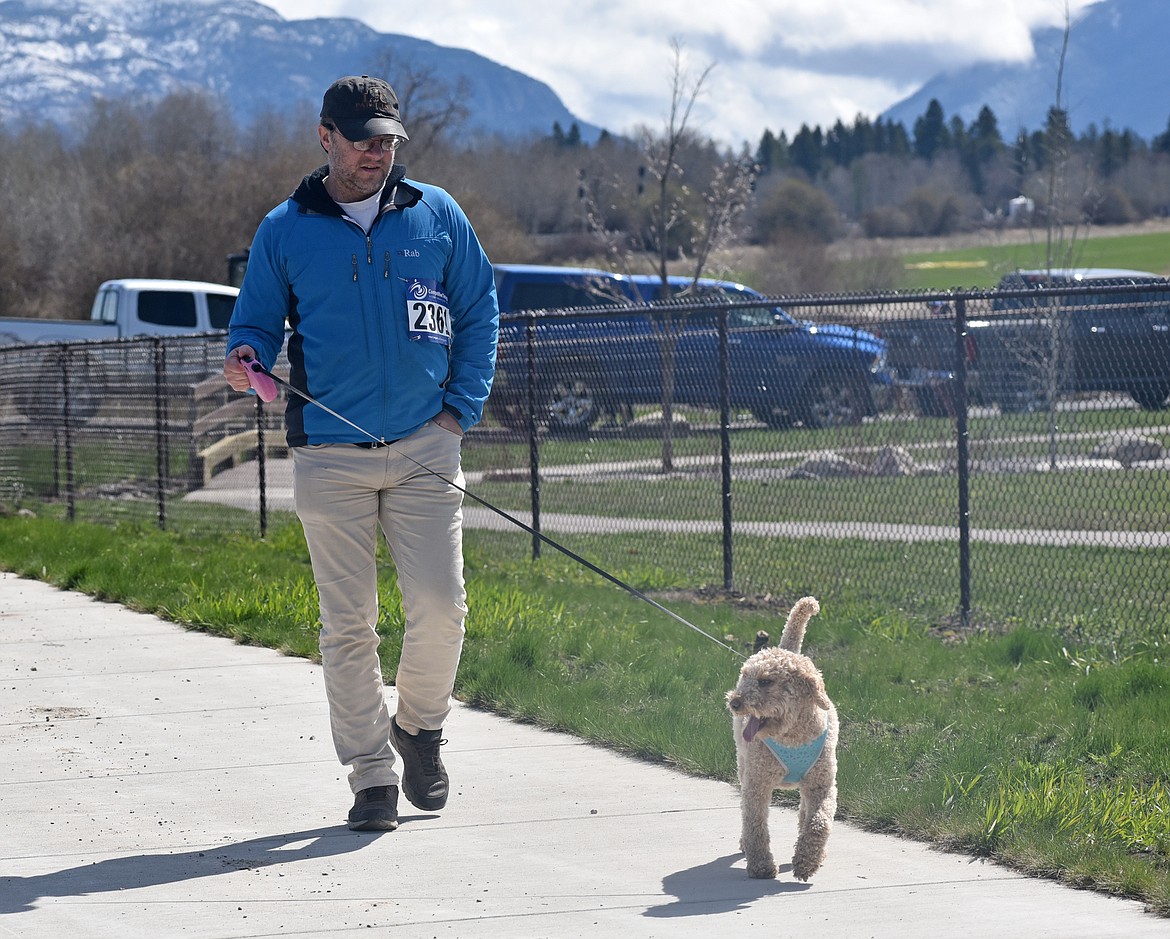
{"x": 385, "y": 144}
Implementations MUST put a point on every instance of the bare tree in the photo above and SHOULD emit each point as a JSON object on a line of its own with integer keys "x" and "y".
{"x": 1047, "y": 354}
{"x": 431, "y": 106}
{"x": 685, "y": 222}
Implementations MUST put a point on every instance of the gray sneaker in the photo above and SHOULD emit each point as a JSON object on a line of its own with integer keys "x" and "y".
{"x": 424, "y": 780}
{"x": 375, "y": 809}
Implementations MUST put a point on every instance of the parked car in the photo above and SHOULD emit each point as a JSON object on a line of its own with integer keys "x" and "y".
{"x": 133, "y": 307}
{"x": 1026, "y": 347}
{"x": 589, "y": 366}
{"x": 122, "y": 309}
{"x": 1113, "y": 340}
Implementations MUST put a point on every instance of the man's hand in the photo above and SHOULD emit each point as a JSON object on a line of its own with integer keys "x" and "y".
{"x": 233, "y": 368}
{"x": 447, "y": 421}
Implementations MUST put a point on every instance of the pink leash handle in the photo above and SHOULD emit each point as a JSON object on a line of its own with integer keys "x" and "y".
{"x": 262, "y": 384}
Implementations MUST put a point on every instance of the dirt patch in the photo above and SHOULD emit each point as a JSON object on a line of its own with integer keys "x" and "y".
{"x": 708, "y": 596}
{"x": 59, "y": 713}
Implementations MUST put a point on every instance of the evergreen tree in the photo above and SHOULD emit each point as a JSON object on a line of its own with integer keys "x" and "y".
{"x": 985, "y": 136}
{"x": 806, "y": 150}
{"x": 838, "y": 145}
{"x": 772, "y": 153}
{"x": 930, "y": 132}
{"x": 863, "y": 137}
{"x": 1108, "y": 154}
{"x": 1161, "y": 143}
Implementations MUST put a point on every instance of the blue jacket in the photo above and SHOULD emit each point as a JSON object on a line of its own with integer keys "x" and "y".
{"x": 386, "y": 329}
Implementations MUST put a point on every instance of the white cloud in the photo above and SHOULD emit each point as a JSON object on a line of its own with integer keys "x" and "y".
{"x": 779, "y": 63}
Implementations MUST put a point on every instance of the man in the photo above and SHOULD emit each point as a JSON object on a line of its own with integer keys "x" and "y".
{"x": 392, "y": 317}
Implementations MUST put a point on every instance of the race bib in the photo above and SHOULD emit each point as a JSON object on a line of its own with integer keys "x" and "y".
{"x": 428, "y": 318}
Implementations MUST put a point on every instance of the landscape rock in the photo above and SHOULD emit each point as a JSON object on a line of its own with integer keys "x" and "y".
{"x": 1128, "y": 449}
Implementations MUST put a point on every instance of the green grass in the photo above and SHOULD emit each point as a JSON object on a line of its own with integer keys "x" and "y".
{"x": 983, "y": 266}
{"x": 481, "y": 455}
{"x": 1015, "y": 742}
{"x": 1134, "y": 502}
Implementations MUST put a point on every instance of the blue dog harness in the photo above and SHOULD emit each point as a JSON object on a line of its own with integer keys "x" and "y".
{"x": 798, "y": 760}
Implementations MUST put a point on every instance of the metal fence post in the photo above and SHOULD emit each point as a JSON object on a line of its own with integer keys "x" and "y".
{"x": 725, "y": 444}
{"x": 963, "y": 458}
{"x": 261, "y": 465}
{"x": 67, "y": 431}
{"x": 533, "y": 444}
{"x": 162, "y": 468}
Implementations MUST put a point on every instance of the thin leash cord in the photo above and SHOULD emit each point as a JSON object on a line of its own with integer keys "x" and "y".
{"x": 505, "y": 515}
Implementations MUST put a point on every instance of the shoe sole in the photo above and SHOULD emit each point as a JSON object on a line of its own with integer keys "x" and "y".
{"x": 374, "y": 824}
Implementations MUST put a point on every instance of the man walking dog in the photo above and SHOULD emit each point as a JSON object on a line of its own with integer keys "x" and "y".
{"x": 392, "y": 316}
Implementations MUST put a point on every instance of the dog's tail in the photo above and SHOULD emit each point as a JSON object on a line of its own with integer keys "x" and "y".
{"x": 802, "y": 611}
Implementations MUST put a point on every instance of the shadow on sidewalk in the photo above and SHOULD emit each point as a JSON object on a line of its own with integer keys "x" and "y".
{"x": 717, "y": 887}
{"x": 19, "y": 894}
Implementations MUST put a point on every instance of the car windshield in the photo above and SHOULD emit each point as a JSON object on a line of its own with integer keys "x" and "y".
{"x": 738, "y": 317}
{"x": 748, "y": 317}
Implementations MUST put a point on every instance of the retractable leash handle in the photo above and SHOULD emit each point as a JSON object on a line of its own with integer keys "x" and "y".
{"x": 262, "y": 384}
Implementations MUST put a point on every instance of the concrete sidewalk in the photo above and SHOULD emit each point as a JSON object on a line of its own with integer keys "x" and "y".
{"x": 156, "y": 782}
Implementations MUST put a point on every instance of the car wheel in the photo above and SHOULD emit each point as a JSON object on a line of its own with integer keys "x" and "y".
{"x": 572, "y": 404}
{"x": 1150, "y": 399}
{"x": 934, "y": 401}
{"x": 833, "y": 400}
{"x": 1023, "y": 402}
{"x": 776, "y": 418}
{"x": 38, "y": 395}
{"x": 511, "y": 416}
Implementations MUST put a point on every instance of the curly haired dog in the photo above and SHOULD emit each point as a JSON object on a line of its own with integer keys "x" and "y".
{"x": 785, "y": 738}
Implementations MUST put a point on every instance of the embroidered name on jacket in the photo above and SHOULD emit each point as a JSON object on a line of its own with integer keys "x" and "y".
{"x": 798, "y": 760}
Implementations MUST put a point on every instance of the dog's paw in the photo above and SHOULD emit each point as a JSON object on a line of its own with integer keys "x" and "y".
{"x": 803, "y": 870}
{"x": 762, "y": 870}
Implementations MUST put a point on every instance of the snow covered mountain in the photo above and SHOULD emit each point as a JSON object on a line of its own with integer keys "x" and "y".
{"x": 58, "y": 56}
{"x": 1116, "y": 76}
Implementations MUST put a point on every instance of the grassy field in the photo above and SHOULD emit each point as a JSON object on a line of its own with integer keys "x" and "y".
{"x": 1011, "y": 742}
{"x": 982, "y": 265}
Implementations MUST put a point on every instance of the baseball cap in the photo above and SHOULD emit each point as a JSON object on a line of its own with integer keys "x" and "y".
{"x": 362, "y": 107}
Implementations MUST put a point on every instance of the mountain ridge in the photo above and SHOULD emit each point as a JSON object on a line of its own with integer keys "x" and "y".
{"x": 58, "y": 57}
{"x": 1115, "y": 76}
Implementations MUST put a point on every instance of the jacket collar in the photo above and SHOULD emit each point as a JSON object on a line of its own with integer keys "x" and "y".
{"x": 312, "y": 196}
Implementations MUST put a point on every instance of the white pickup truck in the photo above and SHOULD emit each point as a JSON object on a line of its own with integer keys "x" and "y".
{"x": 31, "y": 377}
{"x": 134, "y": 307}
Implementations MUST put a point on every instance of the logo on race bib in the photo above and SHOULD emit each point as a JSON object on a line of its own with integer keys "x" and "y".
{"x": 428, "y": 317}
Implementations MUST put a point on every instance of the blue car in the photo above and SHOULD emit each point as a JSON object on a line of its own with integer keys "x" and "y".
{"x": 593, "y": 366}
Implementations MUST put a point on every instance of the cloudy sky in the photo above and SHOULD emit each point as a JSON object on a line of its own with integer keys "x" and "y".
{"x": 777, "y": 63}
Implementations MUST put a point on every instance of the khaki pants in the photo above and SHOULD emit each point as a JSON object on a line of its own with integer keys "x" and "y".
{"x": 343, "y": 493}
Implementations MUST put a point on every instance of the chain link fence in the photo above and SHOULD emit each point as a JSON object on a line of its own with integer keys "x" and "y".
{"x": 977, "y": 458}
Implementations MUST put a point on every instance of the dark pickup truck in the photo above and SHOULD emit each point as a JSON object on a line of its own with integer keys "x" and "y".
{"x": 1067, "y": 340}
{"x": 593, "y": 366}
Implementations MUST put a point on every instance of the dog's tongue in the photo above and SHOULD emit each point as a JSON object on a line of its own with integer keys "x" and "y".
{"x": 751, "y": 728}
